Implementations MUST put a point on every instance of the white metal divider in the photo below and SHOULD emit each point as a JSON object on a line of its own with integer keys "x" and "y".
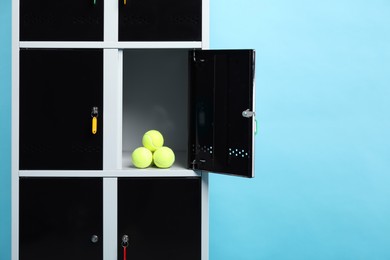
{"x": 112, "y": 109}
{"x": 110, "y": 219}
{"x": 15, "y": 134}
{"x": 111, "y": 20}
{"x": 205, "y": 216}
{"x": 205, "y": 24}
{"x": 205, "y": 175}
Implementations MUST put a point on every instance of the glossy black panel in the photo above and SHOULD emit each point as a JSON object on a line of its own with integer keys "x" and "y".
{"x": 58, "y": 89}
{"x": 220, "y": 138}
{"x": 155, "y": 20}
{"x": 70, "y": 20}
{"x": 161, "y": 216}
{"x": 58, "y": 217}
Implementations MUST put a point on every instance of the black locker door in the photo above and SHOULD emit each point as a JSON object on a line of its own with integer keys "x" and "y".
{"x": 58, "y": 91}
{"x": 156, "y": 20}
{"x": 60, "y": 218}
{"x": 221, "y": 131}
{"x": 70, "y": 20}
{"x": 161, "y": 217}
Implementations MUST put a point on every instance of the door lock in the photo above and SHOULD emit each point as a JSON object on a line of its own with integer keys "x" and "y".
{"x": 94, "y": 239}
{"x": 125, "y": 238}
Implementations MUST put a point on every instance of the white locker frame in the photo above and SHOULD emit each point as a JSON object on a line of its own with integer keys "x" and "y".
{"x": 112, "y": 136}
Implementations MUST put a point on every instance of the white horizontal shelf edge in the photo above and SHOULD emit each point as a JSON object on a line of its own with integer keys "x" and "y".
{"x": 113, "y": 45}
{"x": 159, "y": 45}
{"x": 179, "y": 164}
{"x": 150, "y": 172}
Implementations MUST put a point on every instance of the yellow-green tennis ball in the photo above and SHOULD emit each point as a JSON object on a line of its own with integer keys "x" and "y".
{"x": 142, "y": 157}
{"x": 163, "y": 157}
{"x": 153, "y": 140}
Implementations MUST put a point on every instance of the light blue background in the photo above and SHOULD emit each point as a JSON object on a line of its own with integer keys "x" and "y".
{"x": 322, "y": 186}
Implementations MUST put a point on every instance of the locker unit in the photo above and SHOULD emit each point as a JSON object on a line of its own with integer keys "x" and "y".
{"x": 89, "y": 79}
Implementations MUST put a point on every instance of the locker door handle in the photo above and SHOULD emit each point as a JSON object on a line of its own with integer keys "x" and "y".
{"x": 247, "y": 113}
{"x": 94, "y": 115}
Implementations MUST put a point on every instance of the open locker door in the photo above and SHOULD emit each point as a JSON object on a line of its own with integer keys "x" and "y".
{"x": 221, "y": 127}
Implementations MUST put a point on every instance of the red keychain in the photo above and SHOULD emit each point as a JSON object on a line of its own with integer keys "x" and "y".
{"x": 125, "y": 243}
{"x": 124, "y": 252}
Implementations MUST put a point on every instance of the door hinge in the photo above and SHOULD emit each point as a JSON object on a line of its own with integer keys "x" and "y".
{"x": 195, "y": 59}
{"x": 195, "y": 163}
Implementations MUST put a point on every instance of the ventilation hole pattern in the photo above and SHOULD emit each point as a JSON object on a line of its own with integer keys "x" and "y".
{"x": 31, "y": 149}
{"x": 137, "y": 20}
{"x": 86, "y": 149}
{"x": 184, "y": 20}
{"x": 31, "y": 20}
{"x": 240, "y": 153}
{"x": 89, "y": 20}
{"x": 36, "y": 149}
{"x": 202, "y": 148}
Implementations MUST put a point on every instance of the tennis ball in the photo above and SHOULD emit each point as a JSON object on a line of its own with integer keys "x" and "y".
{"x": 153, "y": 140}
{"x": 142, "y": 157}
{"x": 164, "y": 157}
